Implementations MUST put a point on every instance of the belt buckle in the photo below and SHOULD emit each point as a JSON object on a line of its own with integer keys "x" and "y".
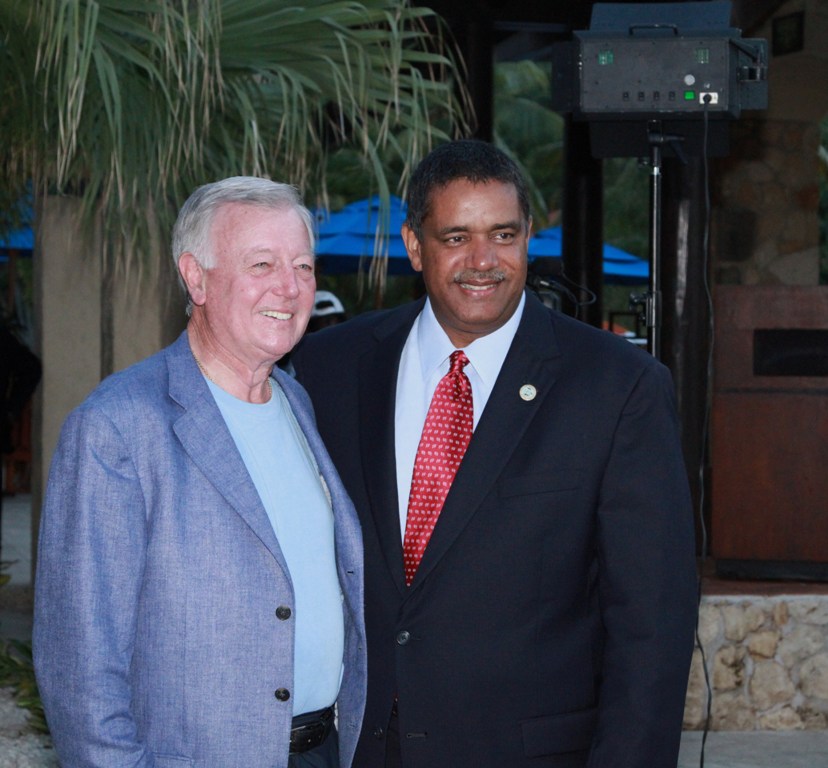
{"x": 311, "y": 735}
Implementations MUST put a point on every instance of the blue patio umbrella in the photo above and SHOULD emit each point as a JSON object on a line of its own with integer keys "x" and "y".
{"x": 348, "y": 236}
{"x": 17, "y": 240}
{"x": 21, "y": 239}
{"x": 620, "y": 267}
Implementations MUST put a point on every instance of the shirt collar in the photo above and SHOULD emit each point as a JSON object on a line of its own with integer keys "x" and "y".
{"x": 486, "y": 353}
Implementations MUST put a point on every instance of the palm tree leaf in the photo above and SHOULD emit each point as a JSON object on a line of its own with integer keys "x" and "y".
{"x": 139, "y": 100}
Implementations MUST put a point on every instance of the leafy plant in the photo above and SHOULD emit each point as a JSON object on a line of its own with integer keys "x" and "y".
{"x": 529, "y": 131}
{"x": 131, "y": 105}
{"x": 17, "y": 671}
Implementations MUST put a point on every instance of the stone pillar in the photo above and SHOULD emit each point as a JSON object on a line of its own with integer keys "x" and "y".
{"x": 67, "y": 278}
{"x": 142, "y": 301}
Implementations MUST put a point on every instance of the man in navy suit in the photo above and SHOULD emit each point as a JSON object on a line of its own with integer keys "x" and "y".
{"x": 199, "y": 583}
{"x": 550, "y": 620}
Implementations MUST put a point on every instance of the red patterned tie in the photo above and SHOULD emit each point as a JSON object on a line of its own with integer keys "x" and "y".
{"x": 446, "y": 435}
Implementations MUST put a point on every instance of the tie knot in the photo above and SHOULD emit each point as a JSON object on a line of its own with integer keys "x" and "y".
{"x": 458, "y": 361}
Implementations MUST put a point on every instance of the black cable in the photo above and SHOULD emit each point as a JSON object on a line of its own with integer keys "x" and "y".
{"x": 705, "y": 423}
{"x": 562, "y": 285}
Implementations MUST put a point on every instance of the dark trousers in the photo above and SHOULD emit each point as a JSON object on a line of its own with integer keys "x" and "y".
{"x": 326, "y": 755}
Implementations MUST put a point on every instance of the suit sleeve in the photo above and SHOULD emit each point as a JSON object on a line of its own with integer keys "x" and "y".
{"x": 647, "y": 583}
{"x": 91, "y": 557}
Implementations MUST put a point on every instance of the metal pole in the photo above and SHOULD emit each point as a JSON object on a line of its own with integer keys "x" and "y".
{"x": 653, "y": 305}
{"x": 583, "y": 224}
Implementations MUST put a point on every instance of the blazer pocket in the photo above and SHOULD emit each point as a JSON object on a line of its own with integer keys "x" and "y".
{"x": 555, "y": 734}
{"x": 545, "y": 482}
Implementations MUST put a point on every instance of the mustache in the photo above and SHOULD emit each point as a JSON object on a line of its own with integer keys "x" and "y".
{"x": 468, "y": 275}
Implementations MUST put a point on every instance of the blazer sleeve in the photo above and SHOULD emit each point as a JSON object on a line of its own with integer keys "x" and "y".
{"x": 91, "y": 556}
{"x": 647, "y": 583}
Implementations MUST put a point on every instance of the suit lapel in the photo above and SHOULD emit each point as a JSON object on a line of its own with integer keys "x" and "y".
{"x": 377, "y": 395}
{"x": 533, "y": 359}
{"x": 208, "y": 443}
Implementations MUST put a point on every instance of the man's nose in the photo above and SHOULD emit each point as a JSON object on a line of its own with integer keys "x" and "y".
{"x": 285, "y": 281}
{"x": 483, "y": 255}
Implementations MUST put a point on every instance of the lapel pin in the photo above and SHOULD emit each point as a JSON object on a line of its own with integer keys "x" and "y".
{"x": 528, "y": 392}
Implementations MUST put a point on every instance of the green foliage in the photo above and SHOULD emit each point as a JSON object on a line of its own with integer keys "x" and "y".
{"x": 131, "y": 105}
{"x": 17, "y": 672}
{"x": 528, "y": 130}
{"x": 627, "y": 205}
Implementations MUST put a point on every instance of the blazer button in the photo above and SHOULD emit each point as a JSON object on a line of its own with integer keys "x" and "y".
{"x": 283, "y": 613}
{"x": 403, "y": 637}
{"x": 283, "y": 694}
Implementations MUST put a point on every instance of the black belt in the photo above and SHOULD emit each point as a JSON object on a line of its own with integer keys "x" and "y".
{"x": 310, "y": 730}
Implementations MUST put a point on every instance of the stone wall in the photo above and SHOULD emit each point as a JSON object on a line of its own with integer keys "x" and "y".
{"x": 766, "y": 223}
{"x": 767, "y": 664}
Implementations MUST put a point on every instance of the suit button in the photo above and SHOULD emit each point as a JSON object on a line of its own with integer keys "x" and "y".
{"x": 378, "y": 732}
{"x": 283, "y": 612}
{"x": 283, "y": 694}
{"x": 403, "y": 637}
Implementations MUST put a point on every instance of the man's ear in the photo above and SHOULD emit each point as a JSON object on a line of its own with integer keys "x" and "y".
{"x": 193, "y": 274}
{"x": 412, "y": 247}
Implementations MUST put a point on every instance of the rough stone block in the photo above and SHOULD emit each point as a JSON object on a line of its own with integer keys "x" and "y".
{"x": 813, "y": 676}
{"x": 763, "y": 643}
{"x": 729, "y": 668}
{"x": 770, "y": 684}
{"x": 740, "y": 619}
{"x": 732, "y": 712}
{"x": 802, "y": 642}
{"x": 784, "y": 719}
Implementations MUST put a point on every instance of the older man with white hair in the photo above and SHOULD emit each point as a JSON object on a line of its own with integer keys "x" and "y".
{"x": 200, "y": 580}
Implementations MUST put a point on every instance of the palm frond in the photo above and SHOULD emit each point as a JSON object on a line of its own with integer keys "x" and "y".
{"x": 139, "y": 101}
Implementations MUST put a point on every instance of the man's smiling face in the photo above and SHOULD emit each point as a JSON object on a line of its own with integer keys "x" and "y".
{"x": 472, "y": 255}
{"x": 259, "y": 295}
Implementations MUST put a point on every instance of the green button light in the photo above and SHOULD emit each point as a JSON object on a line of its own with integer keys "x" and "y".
{"x": 689, "y": 95}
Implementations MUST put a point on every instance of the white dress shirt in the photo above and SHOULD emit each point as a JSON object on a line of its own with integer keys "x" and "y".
{"x": 424, "y": 361}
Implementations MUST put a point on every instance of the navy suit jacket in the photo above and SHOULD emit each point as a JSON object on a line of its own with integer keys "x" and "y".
{"x": 551, "y": 620}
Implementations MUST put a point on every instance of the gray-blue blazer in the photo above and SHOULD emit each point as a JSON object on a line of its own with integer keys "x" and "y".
{"x": 156, "y": 636}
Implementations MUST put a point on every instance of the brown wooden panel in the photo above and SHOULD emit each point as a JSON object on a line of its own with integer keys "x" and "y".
{"x": 740, "y": 310}
{"x": 769, "y": 434}
{"x": 770, "y": 477}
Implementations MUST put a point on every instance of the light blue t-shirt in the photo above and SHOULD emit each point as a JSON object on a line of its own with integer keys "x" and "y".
{"x": 287, "y": 479}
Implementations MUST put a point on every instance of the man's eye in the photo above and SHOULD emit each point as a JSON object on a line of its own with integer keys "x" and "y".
{"x": 505, "y": 236}
{"x": 305, "y": 267}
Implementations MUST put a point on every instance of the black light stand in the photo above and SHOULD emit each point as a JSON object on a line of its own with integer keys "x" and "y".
{"x": 651, "y": 302}
{"x": 656, "y": 78}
